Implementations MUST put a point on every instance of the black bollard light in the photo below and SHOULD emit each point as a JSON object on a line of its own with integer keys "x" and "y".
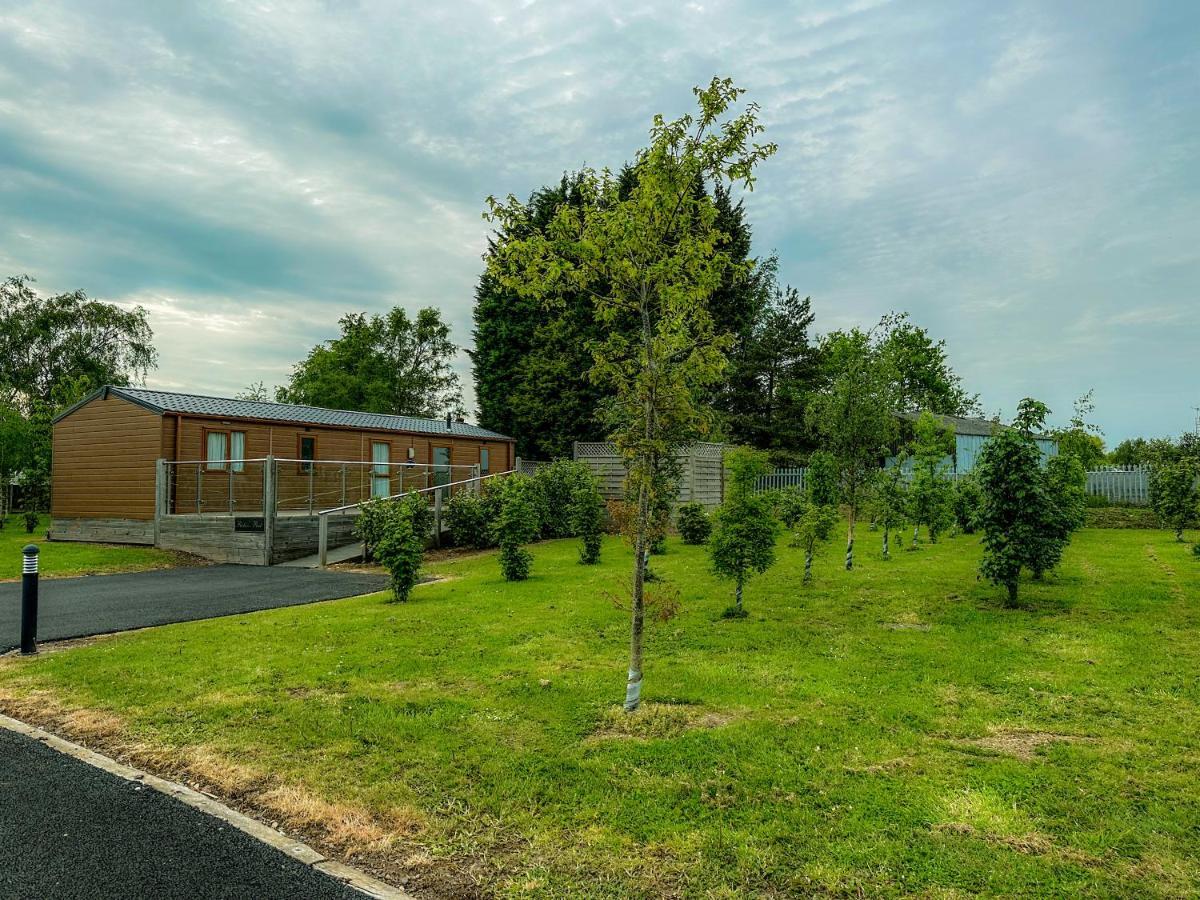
{"x": 29, "y": 600}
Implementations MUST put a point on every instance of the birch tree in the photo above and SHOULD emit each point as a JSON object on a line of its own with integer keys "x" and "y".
{"x": 652, "y": 253}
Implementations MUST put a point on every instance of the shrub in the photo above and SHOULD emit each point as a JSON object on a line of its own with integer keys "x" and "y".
{"x": 401, "y": 545}
{"x": 587, "y": 519}
{"x": 1196, "y": 550}
{"x": 966, "y": 504}
{"x": 470, "y": 518}
{"x": 517, "y": 525}
{"x": 1173, "y": 494}
{"x": 694, "y": 524}
{"x": 557, "y": 485}
{"x": 31, "y": 520}
{"x": 375, "y": 518}
{"x": 790, "y": 503}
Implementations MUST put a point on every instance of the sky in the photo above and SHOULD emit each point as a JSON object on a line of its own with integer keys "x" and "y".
{"x": 1020, "y": 177}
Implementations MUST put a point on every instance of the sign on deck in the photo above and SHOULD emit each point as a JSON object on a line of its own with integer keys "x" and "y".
{"x": 249, "y": 523}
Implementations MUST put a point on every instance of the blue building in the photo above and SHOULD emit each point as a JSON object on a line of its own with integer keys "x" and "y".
{"x": 969, "y": 436}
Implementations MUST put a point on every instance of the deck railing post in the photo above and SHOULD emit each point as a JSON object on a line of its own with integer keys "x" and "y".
{"x": 268, "y": 509}
{"x": 198, "y": 489}
{"x": 323, "y": 539}
{"x": 343, "y": 484}
{"x": 437, "y": 518}
{"x": 229, "y": 463}
{"x": 312, "y": 473}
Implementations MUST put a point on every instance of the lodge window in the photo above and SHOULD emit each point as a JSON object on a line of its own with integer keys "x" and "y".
{"x": 306, "y": 452}
{"x": 221, "y": 447}
{"x": 484, "y": 463}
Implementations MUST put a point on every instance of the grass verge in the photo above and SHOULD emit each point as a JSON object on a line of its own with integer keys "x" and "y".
{"x": 893, "y": 730}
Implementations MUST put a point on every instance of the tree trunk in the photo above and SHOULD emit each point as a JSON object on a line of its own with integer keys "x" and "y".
{"x": 1012, "y": 592}
{"x": 915, "y": 530}
{"x": 738, "y": 594}
{"x": 633, "y": 687}
{"x": 808, "y": 558}
{"x": 850, "y": 542}
{"x": 886, "y": 555}
{"x": 1179, "y": 534}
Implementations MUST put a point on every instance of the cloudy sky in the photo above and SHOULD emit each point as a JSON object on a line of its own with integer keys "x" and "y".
{"x": 1022, "y": 178}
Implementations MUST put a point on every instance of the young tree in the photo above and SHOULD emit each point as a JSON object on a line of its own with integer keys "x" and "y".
{"x": 518, "y": 524}
{"x": 1027, "y": 515}
{"x": 587, "y": 518}
{"x": 1173, "y": 494}
{"x": 920, "y": 369}
{"x": 931, "y": 495}
{"x": 855, "y": 417}
{"x": 401, "y": 546}
{"x": 1082, "y": 439}
{"x": 743, "y": 536}
{"x": 891, "y": 503}
{"x": 384, "y": 364}
{"x": 653, "y": 254}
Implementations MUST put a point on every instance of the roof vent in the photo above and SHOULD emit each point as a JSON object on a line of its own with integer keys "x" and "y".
{"x": 449, "y": 427}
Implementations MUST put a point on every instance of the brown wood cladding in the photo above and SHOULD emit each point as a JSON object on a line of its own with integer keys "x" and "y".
{"x": 105, "y": 452}
{"x": 103, "y": 462}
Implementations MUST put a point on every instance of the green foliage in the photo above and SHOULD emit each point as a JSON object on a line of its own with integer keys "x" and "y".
{"x": 743, "y": 539}
{"x": 890, "y": 502}
{"x": 646, "y": 248}
{"x": 931, "y": 495}
{"x": 557, "y": 485}
{"x": 587, "y": 518}
{"x": 821, "y": 479}
{"x": 30, "y": 520}
{"x": 384, "y": 364}
{"x": 377, "y": 518}
{"x": 919, "y": 369}
{"x": 1173, "y": 494}
{"x": 401, "y": 545}
{"x": 812, "y": 528}
{"x": 693, "y": 523}
{"x": 790, "y": 504}
{"x": 855, "y": 416}
{"x": 1028, "y": 514}
{"x": 773, "y": 370}
{"x": 967, "y": 500}
{"x": 471, "y": 517}
{"x": 743, "y": 467}
{"x": 1082, "y": 439}
{"x": 517, "y": 525}
{"x": 1130, "y": 452}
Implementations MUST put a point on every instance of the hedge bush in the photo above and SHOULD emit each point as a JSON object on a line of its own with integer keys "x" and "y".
{"x": 693, "y": 523}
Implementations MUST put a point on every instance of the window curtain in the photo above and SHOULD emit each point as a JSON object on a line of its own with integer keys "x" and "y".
{"x": 237, "y": 450}
{"x": 215, "y": 451}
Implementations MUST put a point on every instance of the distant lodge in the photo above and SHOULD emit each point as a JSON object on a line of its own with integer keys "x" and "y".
{"x": 126, "y": 460}
{"x": 969, "y": 437}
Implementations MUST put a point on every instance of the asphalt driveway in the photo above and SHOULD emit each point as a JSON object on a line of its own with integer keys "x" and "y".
{"x": 100, "y": 604}
{"x": 69, "y": 830}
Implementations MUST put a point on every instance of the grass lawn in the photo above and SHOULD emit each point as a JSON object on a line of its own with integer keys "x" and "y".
{"x": 892, "y": 730}
{"x": 69, "y": 558}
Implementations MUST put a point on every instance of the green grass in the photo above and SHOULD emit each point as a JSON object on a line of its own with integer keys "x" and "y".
{"x": 69, "y": 558}
{"x": 889, "y": 731}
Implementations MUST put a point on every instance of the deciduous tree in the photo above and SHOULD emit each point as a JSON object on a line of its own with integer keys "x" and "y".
{"x": 744, "y": 526}
{"x": 931, "y": 496}
{"x": 392, "y": 364}
{"x": 654, "y": 254}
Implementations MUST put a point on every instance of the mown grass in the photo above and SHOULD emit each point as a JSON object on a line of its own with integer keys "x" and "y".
{"x": 893, "y": 730}
{"x": 70, "y": 558}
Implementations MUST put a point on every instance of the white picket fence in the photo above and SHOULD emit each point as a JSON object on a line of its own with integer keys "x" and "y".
{"x": 1118, "y": 485}
{"x": 1129, "y": 484}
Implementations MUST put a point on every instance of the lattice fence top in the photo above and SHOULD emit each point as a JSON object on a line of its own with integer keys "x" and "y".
{"x": 590, "y": 450}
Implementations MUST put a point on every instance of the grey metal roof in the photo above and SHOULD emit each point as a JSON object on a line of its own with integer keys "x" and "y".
{"x": 227, "y": 408}
{"x": 967, "y": 425}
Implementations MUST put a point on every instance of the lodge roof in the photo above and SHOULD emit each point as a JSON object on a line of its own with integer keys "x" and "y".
{"x": 228, "y": 408}
{"x": 967, "y": 424}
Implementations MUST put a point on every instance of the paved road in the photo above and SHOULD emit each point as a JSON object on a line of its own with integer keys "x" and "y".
{"x": 69, "y": 830}
{"x": 99, "y": 604}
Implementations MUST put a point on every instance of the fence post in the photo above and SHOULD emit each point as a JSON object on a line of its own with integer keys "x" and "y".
{"x": 437, "y": 518}
{"x": 323, "y": 539}
{"x": 29, "y": 599}
{"x": 268, "y": 510}
{"x": 229, "y": 463}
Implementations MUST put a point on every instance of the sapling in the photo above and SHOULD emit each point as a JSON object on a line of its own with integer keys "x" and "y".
{"x": 890, "y": 503}
{"x": 1173, "y": 493}
{"x": 744, "y": 527}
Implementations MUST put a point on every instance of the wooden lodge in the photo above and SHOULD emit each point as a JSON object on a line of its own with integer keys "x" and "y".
{"x": 242, "y": 480}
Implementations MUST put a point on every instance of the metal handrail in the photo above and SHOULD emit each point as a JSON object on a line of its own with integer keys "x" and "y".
{"x": 323, "y": 515}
